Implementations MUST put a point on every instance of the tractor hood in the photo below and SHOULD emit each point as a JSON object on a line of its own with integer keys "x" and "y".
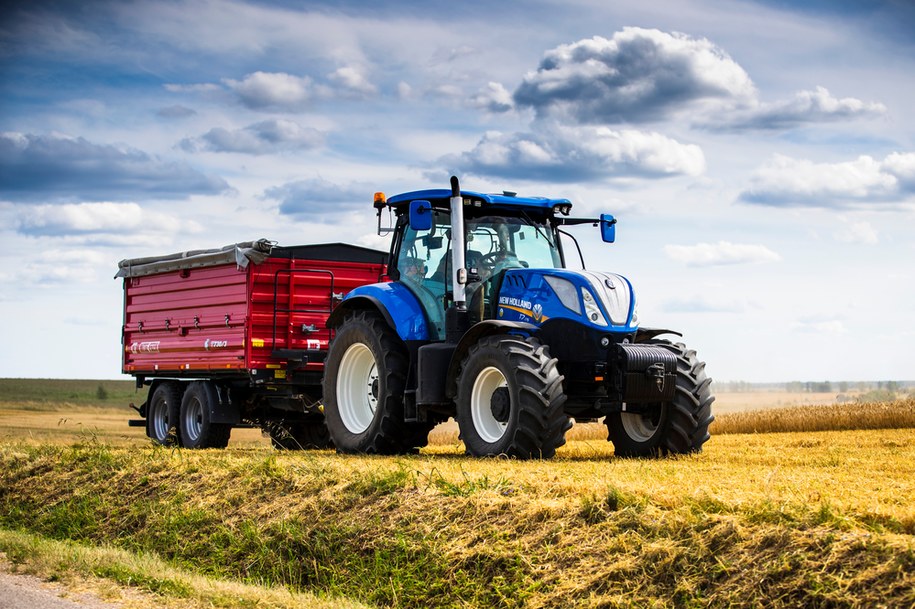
{"x": 603, "y": 301}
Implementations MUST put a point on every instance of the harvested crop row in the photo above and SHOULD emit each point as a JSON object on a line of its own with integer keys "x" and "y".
{"x": 777, "y": 520}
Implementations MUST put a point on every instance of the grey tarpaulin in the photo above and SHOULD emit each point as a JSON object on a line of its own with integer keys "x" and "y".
{"x": 240, "y": 253}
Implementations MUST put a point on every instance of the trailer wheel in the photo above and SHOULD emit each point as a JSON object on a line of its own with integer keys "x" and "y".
{"x": 162, "y": 419}
{"x": 197, "y": 431}
{"x": 300, "y": 436}
{"x": 510, "y": 399}
{"x": 364, "y": 380}
{"x": 676, "y": 427}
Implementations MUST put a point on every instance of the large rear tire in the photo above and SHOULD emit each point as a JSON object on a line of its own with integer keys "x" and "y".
{"x": 510, "y": 399}
{"x": 163, "y": 410}
{"x": 365, "y": 377}
{"x": 196, "y": 428}
{"x": 676, "y": 427}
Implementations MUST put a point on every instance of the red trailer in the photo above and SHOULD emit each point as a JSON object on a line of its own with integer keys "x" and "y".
{"x": 236, "y": 336}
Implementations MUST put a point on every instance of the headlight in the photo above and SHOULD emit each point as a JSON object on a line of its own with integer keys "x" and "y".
{"x": 566, "y": 292}
{"x": 635, "y": 312}
{"x": 592, "y": 311}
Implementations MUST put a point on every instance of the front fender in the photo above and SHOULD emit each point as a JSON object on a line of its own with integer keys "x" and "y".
{"x": 393, "y": 301}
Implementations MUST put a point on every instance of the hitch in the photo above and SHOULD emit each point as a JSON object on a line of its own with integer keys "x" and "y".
{"x": 656, "y": 372}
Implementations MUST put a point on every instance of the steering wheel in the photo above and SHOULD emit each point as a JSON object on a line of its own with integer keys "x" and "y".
{"x": 492, "y": 258}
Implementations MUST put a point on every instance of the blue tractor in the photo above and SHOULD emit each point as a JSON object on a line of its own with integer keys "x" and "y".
{"x": 482, "y": 322}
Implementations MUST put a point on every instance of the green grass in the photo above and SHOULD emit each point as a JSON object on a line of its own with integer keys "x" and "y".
{"x": 152, "y": 582}
{"x": 755, "y": 520}
{"x": 56, "y": 394}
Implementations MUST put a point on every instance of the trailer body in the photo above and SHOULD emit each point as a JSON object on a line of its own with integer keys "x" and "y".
{"x": 247, "y": 320}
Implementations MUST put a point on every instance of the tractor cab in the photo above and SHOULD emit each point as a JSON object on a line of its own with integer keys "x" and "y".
{"x": 500, "y": 232}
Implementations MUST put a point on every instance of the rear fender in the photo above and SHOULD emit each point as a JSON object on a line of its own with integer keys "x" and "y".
{"x": 394, "y": 302}
{"x": 478, "y": 331}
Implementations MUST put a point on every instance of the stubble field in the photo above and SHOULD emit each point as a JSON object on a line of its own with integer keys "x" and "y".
{"x": 784, "y": 519}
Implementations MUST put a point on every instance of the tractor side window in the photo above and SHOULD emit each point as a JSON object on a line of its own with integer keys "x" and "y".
{"x": 421, "y": 254}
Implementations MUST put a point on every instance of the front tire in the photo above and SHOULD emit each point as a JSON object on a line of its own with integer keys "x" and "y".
{"x": 510, "y": 399}
{"x": 365, "y": 377}
{"x": 676, "y": 427}
{"x": 196, "y": 428}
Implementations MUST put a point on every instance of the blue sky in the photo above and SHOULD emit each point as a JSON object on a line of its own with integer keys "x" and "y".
{"x": 760, "y": 156}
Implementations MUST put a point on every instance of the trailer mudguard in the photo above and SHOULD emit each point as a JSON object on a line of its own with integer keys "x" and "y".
{"x": 394, "y": 302}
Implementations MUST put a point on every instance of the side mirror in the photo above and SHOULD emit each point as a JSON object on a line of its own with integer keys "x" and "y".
{"x": 607, "y": 228}
{"x": 420, "y": 215}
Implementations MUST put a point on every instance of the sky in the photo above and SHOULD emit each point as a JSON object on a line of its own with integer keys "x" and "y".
{"x": 759, "y": 155}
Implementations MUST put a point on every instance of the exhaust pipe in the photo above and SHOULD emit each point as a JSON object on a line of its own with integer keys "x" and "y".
{"x": 459, "y": 276}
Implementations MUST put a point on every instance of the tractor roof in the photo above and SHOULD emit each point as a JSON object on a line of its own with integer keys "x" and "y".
{"x": 441, "y": 197}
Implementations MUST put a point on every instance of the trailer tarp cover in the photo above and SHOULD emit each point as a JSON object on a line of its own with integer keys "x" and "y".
{"x": 240, "y": 253}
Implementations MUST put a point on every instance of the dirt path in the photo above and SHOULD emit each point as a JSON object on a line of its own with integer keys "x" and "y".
{"x": 20, "y": 591}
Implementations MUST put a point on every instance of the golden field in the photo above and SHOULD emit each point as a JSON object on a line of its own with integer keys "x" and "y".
{"x": 763, "y": 517}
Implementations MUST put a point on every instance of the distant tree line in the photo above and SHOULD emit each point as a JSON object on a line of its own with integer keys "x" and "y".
{"x": 843, "y": 386}
{"x": 889, "y": 387}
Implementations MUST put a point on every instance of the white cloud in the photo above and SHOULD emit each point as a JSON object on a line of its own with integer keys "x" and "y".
{"x": 493, "y": 98}
{"x": 859, "y": 232}
{"x": 902, "y": 166}
{"x": 642, "y": 75}
{"x": 192, "y": 88}
{"x": 805, "y": 107}
{"x": 352, "y": 80}
{"x": 788, "y": 182}
{"x": 53, "y": 267}
{"x": 566, "y": 154}
{"x": 318, "y": 199}
{"x": 275, "y": 135}
{"x": 637, "y": 75}
{"x": 834, "y": 327}
{"x": 404, "y": 91}
{"x": 272, "y": 90}
{"x": 101, "y": 222}
{"x": 701, "y": 304}
{"x": 721, "y": 253}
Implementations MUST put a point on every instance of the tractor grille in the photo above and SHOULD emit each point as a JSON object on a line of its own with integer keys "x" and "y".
{"x": 616, "y": 299}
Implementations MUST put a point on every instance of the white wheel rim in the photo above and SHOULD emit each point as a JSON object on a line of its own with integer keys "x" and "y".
{"x": 160, "y": 420}
{"x": 193, "y": 420}
{"x": 357, "y": 388}
{"x": 485, "y": 423}
{"x": 638, "y": 427}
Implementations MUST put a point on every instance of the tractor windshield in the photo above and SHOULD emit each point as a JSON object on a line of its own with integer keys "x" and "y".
{"x": 494, "y": 244}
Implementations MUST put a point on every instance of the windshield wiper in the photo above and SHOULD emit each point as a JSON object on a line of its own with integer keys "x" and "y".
{"x": 536, "y": 226}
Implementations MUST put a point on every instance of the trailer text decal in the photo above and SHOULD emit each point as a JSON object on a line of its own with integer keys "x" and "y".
{"x": 145, "y": 347}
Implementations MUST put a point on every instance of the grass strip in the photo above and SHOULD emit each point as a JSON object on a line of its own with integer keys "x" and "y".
{"x": 773, "y": 520}
{"x": 159, "y": 583}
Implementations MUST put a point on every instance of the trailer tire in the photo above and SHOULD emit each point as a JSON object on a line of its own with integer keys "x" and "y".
{"x": 196, "y": 428}
{"x": 300, "y": 436}
{"x": 510, "y": 399}
{"x": 365, "y": 377}
{"x": 162, "y": 419}
{"x": 676, "y": 427}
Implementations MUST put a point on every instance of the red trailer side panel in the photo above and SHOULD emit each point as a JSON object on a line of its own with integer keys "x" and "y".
{"x": 291, "y": 300}
{"x": 217, "y": 318}
{"x": 190, "y": 319}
